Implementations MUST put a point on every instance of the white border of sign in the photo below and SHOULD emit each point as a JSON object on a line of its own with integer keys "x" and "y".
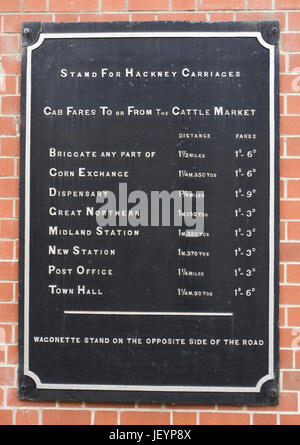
{"x": 102, "y": 35}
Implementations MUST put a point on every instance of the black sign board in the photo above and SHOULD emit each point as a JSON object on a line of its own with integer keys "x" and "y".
{"x": 149, "y": 235}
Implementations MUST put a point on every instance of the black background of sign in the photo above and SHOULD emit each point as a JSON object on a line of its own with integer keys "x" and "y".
{"x": 146, "y": 268}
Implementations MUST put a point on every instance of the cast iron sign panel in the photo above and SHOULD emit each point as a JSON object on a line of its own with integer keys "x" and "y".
{"x": 149, "y": 232}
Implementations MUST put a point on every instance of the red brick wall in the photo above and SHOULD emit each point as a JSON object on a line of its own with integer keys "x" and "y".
{"x": 12, "y": 13}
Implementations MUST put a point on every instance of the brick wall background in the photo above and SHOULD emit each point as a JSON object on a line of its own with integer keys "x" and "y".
{"x": 12, "y": 13}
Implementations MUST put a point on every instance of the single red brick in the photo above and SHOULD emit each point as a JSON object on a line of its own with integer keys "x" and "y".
{"x": 66, "y": 18}
{"x": 294, "y": 312}
{"x": 11, "y": 64}
{"x": 8, "y": 312}
{"x": 8, "y": 125}
{"x": 66, "y": 417}
{"x": 290, "y": 42}
{"x": 289, "y": 209}
{"x": 294, "y": 63}
{"x": 148, "y": 5}
{"x": 73, "y": 6}
{"x": 221, "y": 16}
{"x": 289, "y": 251}
{"x": 27, "y": 417}
{"x": 290, "y": 419}
{"x": 10, "y": 5}
{"x": 9, "y": 228}
{"x": 145, "y": 418}
{"x": 293, "y": 189}
{"x": 289, "y": 294}
{"x": 140, "y": 17}
{"x": 6, "y": 250}
{"x": 6, "y": 292}
{"x": 113, "y": 5}
{"x": 181, "y": 16}
{"x": 10, "y": 146}
{"x": 6, "y": 417}
{"x": 7, "y": 167}
{"x": 35, "y": 5}
{"x": 106, "y": 418}
{"x": 9, "y": 270}
{"x": 104, "y": 17}
{"x": 290, "y": 125}
{"x": 264, "y": 419}
{"x": 293, "y": 104}
{"x": 286, "y": 359}
{"x": 8, "y": 44}
{"x": 184, "y": 418}
{"x": 289, "y": 83}
{"x": 10, "y": 105}
{"x": 293, "y": 147}
{"x": 6, "y": 208}
{"x": 294, "y": 21}
{"x": 183, "y": 5}
{"x": 293, "y": 230}
{"x": 220, "y": 4}
{"x": 218, "y": 418}
{"x": 293, "y": 271}
{"x": 291, "y": 380}
{"x": 8, "y": 84}
{"x": 260, "y": 4}
{"x": 286, "y": 4}
{"x": 287, "y": 337}
{"x": 9, "y": 187}
{"x": 7, "y": 376}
